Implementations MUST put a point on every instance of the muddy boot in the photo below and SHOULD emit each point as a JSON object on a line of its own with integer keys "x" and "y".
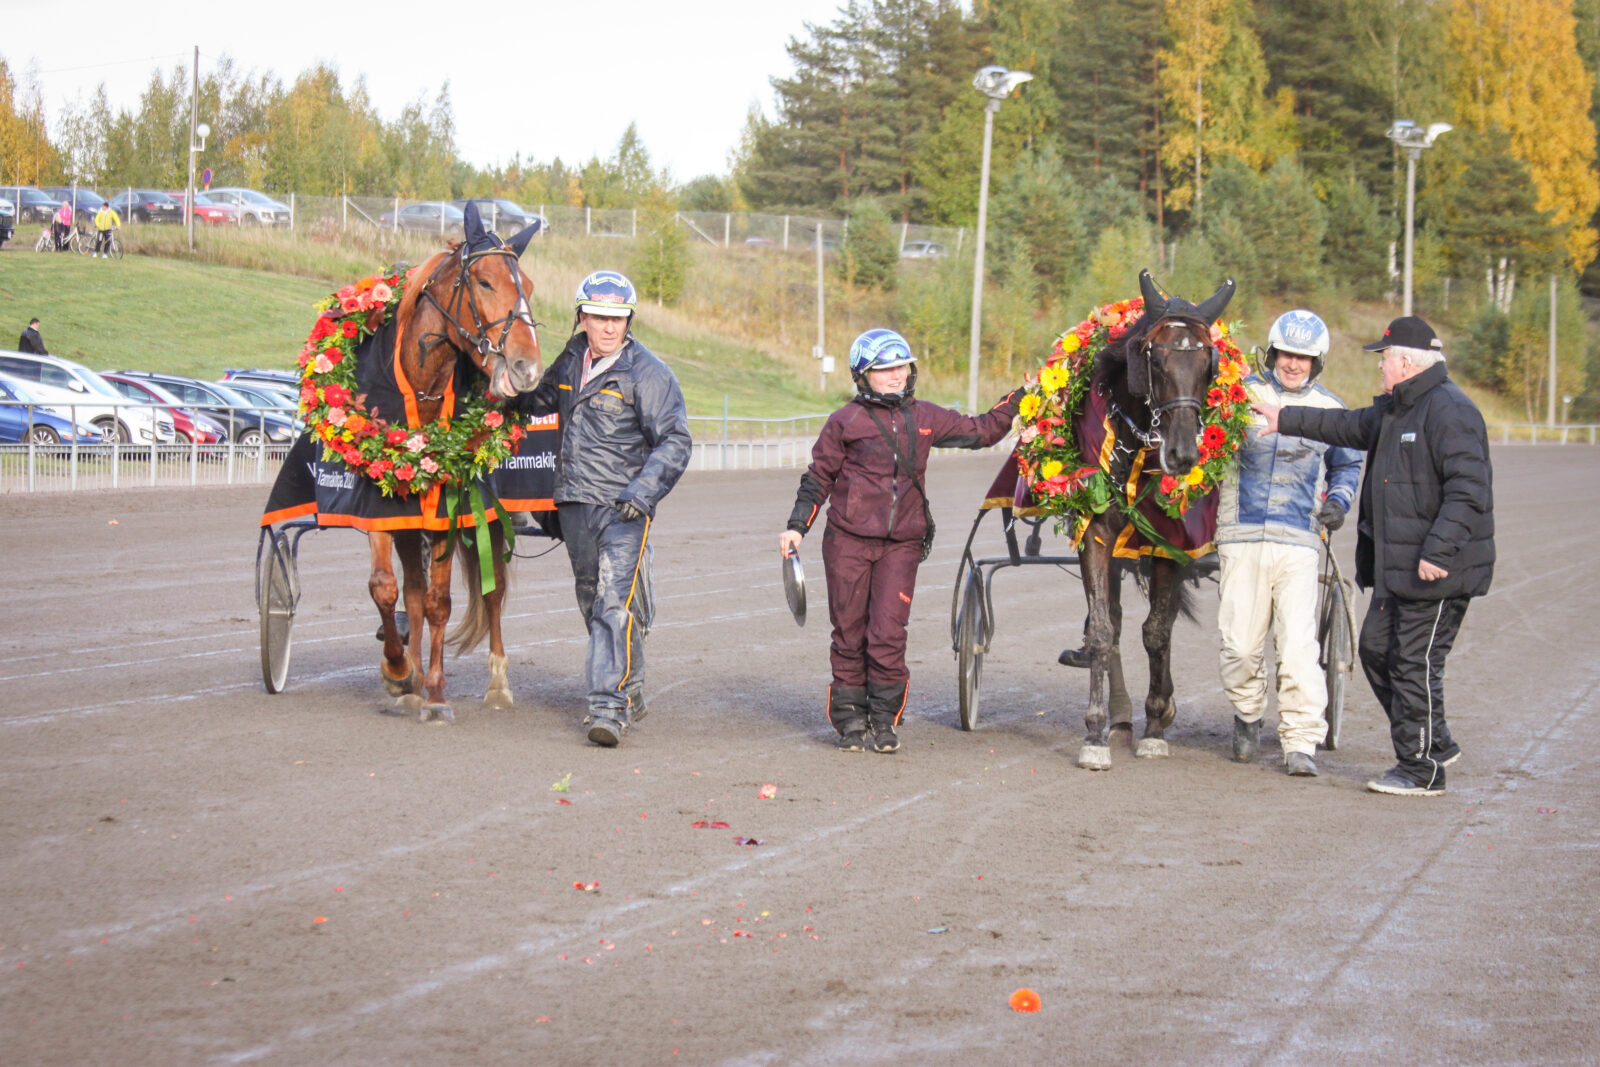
{"x": 1246, "y": 740}
{"x": 884, "y": 707}
{"x": 1074, "y": 657}
{"x": 847, "y": 711}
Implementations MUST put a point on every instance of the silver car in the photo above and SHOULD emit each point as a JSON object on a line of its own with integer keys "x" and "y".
{"x": 255, "y": 209}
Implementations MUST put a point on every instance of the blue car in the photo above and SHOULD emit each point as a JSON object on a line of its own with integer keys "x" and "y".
{"x": 39, "y": 424}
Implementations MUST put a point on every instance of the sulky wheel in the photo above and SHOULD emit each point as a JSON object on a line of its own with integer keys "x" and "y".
{"x": 970, "y": 644}
{"x": 1338, "y": 658}
{"x": 276, "y": 600}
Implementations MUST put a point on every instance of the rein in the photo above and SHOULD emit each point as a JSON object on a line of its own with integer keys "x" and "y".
{"x": 1151, "y": 436}
{"x": 478, "y": 337}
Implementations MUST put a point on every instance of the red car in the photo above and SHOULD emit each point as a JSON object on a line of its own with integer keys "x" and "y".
{"x": 191, "y": 425}
{"x": 209, "y": 211}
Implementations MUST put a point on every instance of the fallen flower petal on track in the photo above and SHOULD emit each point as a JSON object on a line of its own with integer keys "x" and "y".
{"x": 563, "y": 800}
{"x": 747, "y": 841}
{"x": 703, "y": 825}
{"x": 767, "y": 792}
{"x": 591, "y": 887}
{"x": 320, "y": 919}
{"x": 1025, "y": 1000}
{"x": 1547, "y": 811}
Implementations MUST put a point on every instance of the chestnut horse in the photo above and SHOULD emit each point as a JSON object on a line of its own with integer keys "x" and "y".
{"x": 470, "y": 302}
{"x": 1155, "y": 378}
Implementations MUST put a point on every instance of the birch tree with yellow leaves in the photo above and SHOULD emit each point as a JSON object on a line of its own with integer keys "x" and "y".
{"x": 1517, "y": 68}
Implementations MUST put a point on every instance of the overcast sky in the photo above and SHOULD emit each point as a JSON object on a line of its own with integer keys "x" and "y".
{"x": 539, "y": 78}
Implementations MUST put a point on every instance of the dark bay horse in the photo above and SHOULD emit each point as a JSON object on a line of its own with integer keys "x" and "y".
{"x": 468, "y": 303}
{"x": 1154, "y": 380}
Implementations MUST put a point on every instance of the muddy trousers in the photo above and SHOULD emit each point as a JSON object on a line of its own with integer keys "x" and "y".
{"x": 1403, "y": 647}
{"x": 870, "y": 585}
{"x": 611, "y": 575}
{"x": 1269, "y": 587}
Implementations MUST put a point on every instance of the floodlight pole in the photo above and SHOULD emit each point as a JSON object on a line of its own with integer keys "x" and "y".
{"x": 989, "y": 108}
{"x": 1411, "y": 199}
{"x": 194, "y": 115}
{"x": 1412, "y": 139}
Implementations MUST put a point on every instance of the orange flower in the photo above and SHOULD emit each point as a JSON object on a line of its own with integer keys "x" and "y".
{"x": 1025, "y": 1000}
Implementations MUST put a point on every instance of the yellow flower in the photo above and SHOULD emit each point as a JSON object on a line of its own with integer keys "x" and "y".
{"x": 1050, "y": 468}
{"x": 1028, "y": 407}
{"x": 1053, "y": 378}
{"x": 1070, "y": 343}
{"x": 1195, "y": 476}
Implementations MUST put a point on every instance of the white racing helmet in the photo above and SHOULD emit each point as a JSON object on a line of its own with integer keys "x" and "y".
{"x": 1299, "y": 333}
{"x": 606, "y": 292}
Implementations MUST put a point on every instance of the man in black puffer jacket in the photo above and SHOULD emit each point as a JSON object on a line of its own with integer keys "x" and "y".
{"x": 1426, "y": 538}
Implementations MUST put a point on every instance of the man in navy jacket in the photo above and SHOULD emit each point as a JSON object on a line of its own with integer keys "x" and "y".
{"x": 1425, "y": 542}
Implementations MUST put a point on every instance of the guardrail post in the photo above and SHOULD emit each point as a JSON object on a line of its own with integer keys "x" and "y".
{"x": 291, "y": 211}
{"x": 724, "y": 431}
{"x": 727, "y": 228}
{"x": 588, "y": 221}
{"x": 786, "y": 233}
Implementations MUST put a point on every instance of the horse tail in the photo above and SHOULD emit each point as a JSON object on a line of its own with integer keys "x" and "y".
{"x": 1186, "y": 598}
{"x": 474, "y": 622}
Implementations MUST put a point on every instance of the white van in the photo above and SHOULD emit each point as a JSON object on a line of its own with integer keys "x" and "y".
{"x": 95, "y": 400}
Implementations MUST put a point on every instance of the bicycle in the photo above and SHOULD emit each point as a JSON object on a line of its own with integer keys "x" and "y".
{"x": 77, "y": 241}
{"x": 1335, "y": 636}
{"x": 113, "y": 245}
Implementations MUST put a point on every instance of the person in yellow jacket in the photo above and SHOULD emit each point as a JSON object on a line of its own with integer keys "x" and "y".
{"x": 106, "y": 220}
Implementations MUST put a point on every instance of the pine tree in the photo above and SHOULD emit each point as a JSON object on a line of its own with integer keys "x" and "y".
{"x": 1517, "y": 68}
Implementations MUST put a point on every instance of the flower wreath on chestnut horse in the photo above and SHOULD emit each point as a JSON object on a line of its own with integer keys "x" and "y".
{"x": 402, "y": 380}
{"x": 1127, "y": 429}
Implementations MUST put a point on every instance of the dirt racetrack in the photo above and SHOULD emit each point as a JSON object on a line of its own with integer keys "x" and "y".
{"x": 196, "y": 872}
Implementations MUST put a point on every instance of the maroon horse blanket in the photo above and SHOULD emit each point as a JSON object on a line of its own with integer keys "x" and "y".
{"x": 1098, "y": 428}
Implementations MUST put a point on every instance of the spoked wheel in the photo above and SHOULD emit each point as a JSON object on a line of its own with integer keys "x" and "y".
{"x": 275, "y": 597}
{"x": 970, "y": 641}
{"x": 1338, "y": 655}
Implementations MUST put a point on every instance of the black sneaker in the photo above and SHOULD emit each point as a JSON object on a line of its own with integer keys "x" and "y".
{"x": 884, "y": 738}
{"x": 1398, "y": 785}
{"x": 607, "y": 733}
{"x": 1246, "y": 740}
{"x": 853, "y": 740}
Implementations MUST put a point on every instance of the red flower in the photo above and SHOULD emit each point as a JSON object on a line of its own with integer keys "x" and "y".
{"x": 1237, "y": 394}
{"x": 349, "y": 327}
{"x": 493, "y": 419}
{"x": 380, "y": 467}
{"x": 516, "y": 432}
{"x": 1213, "y": 437}
{"x": 335, "y": 395}
{"x": 405, "y": 473}
{"x": 1215, "y": 397}
{"x": 395, "y": 437}
{"x": 1168, "y": 484}
{"x": 333, "y": 353}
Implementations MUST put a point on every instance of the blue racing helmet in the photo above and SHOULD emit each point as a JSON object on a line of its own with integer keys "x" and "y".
{"x": 881, "y": 349}
{"x": 606, "y": 292}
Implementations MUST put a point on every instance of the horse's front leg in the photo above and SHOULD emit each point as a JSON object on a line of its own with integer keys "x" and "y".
{"x": 436, "y": 609}
{"x": 1159, "y": 707}
{"x": 1118, "y": 705}
{"x": 498, "y": 694}
{"x": 1099, "y": 640}
{"x": 397, "y": 670}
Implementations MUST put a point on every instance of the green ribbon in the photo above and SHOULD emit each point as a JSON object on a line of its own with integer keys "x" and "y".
{"x": 471, "y": 498}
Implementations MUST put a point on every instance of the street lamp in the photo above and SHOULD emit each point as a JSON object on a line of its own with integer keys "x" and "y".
{"x": 1413, "y": 138}
{"x": 995, "y": 83}
{"x": 201, "y": 131}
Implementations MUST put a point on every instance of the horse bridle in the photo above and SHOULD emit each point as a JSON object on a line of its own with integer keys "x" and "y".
{"x": 478, "y": 337}
{"x": 1157, "y": 410}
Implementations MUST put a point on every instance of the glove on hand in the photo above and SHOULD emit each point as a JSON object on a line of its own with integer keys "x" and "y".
{"x": 632, "y": 512}
{"x": 1331, "y": 515}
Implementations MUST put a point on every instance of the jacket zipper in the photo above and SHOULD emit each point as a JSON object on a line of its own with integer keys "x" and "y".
{"x": 894, "y": 483}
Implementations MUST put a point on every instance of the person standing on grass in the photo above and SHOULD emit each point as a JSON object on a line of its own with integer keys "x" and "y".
{"x": 868, "y": 464}
{"x": 61, "y": 225}
{"x": 1425, "y": 539}
{"x": 106, "y": 221}
{"x": 624, "y": 445}
{"x": 30, "y": 341}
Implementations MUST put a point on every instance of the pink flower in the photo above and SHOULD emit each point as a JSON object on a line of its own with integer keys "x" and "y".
{"x": 417, "y": 442}
{"x": 428, "y": 464}
{"x": 493, "y": 419}
{"x": 321, "y": 365}
{"x": 405, "y": 473}
{"x": 381, "y": 294}
{"x": 336, "y": 416}
{"x": 346, "y": 293}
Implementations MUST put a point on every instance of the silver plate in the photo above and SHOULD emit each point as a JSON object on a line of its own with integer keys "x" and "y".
{"x": 794, "y": 587}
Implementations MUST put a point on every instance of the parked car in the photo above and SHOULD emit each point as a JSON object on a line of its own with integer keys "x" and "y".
{"x": 27, "y": 418}
{"x": 8, "y": 220}
{"x": 505, "y": 216}
{"x": 209, "y": 211}
{"x": 759, "y": 242}
{"x": 288, "y": 378}
{"x": 922, "y": 250}
{"x": 190, "y": 425}
{"x": 246, "y": 424}
{"x": 147, "y": 205}
{"x": 85, "y": 202}
{"x": 255, "y": 208}
{"x": 429, "y": 216}
{"x": 280, "y": 400}
{"x": 94, "y": 398}
{"x": 32, "y": 205}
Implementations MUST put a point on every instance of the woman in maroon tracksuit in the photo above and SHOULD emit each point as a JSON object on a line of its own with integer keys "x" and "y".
{"x": 870, "y": 460}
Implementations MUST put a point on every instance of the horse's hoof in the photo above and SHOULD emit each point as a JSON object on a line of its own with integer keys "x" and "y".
{"x": 437, "y": 712}
{"x": 1152, "y": 748}
{"x": 1095, "y": 757}
{"x": 498, "y": 697}
{"x": 399, "y": 687}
